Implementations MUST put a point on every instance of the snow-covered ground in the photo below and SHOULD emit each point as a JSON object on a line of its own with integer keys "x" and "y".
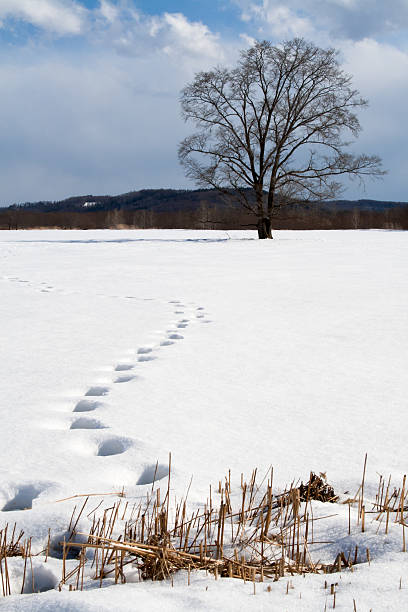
{"x": 118, "y": 347}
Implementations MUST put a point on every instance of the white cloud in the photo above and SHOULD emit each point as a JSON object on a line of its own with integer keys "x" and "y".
{"x": 344, "y": 3}
{"x": 248, "y": 40}
{"x": 380, "y": 72}
{"x": 108, "y": 11}
{"x": 381, "y": 67}
{"x": 100, "y": 121}
{"x": 354, "y": 19}
{"x": 59, "y": 16}
{"x": 120, "y": 26}
{"x": 190, "y": 37}
{"x": 185, "y": 42}
{"x": 99, "y": 124}
{"x": 280, "y": 20}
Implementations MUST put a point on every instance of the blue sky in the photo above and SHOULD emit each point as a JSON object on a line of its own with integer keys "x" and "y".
{"x": 89, "y": 88}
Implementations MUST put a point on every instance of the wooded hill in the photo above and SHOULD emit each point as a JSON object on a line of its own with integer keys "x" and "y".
{"x": 196, "y": 209}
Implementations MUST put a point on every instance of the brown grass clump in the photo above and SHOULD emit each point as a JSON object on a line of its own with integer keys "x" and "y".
{"x": 12, "y": 545}
{"x": 317, "y": 489}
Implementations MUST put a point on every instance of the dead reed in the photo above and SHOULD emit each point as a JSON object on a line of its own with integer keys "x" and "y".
{"x": 251, "y": 534}
{"x": 11, "y": 545}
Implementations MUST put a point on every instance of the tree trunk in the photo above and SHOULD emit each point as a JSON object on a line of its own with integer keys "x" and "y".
{"x": 264, "y": 220}
{"x": 264, "y": 228}
{"x": 267, "y": 220}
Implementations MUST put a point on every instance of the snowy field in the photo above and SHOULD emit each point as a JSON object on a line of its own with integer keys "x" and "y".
{"x": 120, "y": 347}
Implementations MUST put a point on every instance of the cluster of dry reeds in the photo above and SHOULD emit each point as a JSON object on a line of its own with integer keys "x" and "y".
{"x": 12, "y": 545}
{"x": 252, "y": 534}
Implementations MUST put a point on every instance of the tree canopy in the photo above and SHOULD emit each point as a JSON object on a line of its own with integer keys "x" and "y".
{"x": 275, "y": 129}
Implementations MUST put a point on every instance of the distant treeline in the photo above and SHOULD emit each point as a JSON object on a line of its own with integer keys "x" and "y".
{"x": 198, "y": 209}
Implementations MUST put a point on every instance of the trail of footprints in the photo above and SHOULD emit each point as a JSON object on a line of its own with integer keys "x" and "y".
{"x": 43, "y": 287}
{"x": 86, "y": 409}
{"x": 125, "y": 372}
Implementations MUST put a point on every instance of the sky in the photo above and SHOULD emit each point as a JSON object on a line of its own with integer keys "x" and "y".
{"x": 89, "y": 89}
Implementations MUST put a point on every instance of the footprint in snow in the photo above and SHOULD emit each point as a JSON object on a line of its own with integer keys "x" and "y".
{"x": 174, "y": 336}
{"x": 86, "y": 423}
{"x": 97, "y": 391}
{"x": 113, "y": 446}
{"x": 182, "y": 324}
{"x": 124, "y": 367}
{"x": 87, "y": 406}
{"x": 143, "y": 358}
{"x": 56, "y": 549}
{"x": 153, "y": 473}
{"x": 125, "y": 378}
{"x": 40, "y": 579}
{"x": 23, "y": 498}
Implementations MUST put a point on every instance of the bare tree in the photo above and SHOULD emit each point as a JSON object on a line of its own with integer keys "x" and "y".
{"x": 271, "y": 130}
